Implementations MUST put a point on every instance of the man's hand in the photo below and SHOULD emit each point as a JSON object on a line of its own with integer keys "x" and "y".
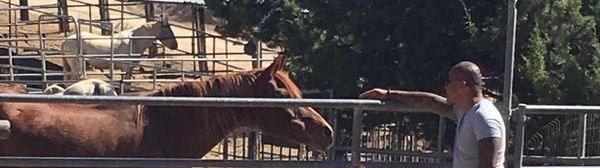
{"x": 377, "y": 93}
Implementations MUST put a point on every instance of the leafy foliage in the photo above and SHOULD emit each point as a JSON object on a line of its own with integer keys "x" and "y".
{"x": 351, "y": 46}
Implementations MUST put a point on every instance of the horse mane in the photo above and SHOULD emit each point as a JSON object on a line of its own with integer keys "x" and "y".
{"x": 143, "y": 29}
{"x": 217, "y": 86}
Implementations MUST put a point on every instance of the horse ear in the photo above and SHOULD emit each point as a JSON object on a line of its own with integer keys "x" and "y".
{"x": 277, "y": 65}
{"x": 280, "y": 60}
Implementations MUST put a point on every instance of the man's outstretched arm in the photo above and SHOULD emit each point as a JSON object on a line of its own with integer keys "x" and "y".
{"x": 424, "y": 100}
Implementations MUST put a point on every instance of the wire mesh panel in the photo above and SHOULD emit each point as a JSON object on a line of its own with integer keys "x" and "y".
{"x": 559, "y": 135}
{"x": 556, "y": 135}
{"x": 397, "y": 137}
{"x": 592, "y": 147}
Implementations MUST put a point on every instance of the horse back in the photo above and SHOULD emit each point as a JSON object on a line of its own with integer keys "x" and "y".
{"x": 57, "y": 129}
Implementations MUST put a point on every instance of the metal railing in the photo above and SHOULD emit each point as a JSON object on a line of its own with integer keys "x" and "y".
{"x": 63, "y": 18}
{"x": 524, "y": 110}
{"x": 357, "y": 105}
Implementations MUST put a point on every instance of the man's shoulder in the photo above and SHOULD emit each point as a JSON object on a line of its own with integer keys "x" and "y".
{"x": 486, "y": 105}
{"x": 487, "y": 109}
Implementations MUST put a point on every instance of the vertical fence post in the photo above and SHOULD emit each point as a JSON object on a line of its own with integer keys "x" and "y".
{"x": 440, "y": 136}
{"x": 254, "y": 140}
{"x": 201, "y": 32}
{"x": 63, "y": 9}
{"x": 582, "y": 136}
{"x": 356, "y": 134}
{"x": 10, "y": 64}
{"x": 43, "y": 47}
{"x": 24, "y": 12}
{"x": 259, "y": 54}
{"x": 122, "y": 15}
{"x": 10, "y": 27}
{"x": 332, "y": 119}
{"x": 509, "y": 60}
{"x": 149, "y": 11}
{"x": 81, "y": 73}
{"x": 519, "y": 135}
{"x": 112, "y": 53}
{"x": 226, "y": 148}
{"x": 104, "y": 16}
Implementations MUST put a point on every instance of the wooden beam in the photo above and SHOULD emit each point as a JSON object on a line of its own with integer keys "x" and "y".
{"x": 24, "y": 12}
{"x": 63, "y": 9}
{"x": 203, "y": 67}
{"x": 104, "y": 16}
{"x": 149, "y": 11}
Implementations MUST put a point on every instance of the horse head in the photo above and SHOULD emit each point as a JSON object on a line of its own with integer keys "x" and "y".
{"x": 303, "y": 124}
{"x": 166, "y": 35}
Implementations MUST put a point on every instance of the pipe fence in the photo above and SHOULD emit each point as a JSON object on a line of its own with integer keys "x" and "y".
{"x": 356, "y": 149}
{"x": 564, "y": 140}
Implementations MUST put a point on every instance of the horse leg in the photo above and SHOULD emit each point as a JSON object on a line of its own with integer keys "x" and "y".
{"x": 71, "y": 65}
{"x": 69, "y": 68}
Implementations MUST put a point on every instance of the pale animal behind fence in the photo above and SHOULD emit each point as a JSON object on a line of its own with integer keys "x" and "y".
{"x": 121, "y": 44}
{"x": 84, "y": 87}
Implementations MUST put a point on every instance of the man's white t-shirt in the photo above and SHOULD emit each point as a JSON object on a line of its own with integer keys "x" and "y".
{"x": 483, "y": 120}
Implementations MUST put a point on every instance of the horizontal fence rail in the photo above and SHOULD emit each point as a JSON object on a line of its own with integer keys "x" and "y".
{"x": 169, "y": 162}
{"x": 559, "y": 109}
{"x": 357, "y": 104}
{"x": 212, "y": 101}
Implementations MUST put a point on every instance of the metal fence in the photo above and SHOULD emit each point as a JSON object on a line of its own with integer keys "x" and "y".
{"x": 357, "y": 151}
{"x": 568, "y": 138}
{"x": 203, "y": 47}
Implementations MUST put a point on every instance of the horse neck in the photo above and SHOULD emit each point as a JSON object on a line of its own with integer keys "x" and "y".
{"x": 200, "y": 127}
{"x": 148, "y": 29}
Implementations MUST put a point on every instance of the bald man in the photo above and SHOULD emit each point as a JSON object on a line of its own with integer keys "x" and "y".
{"x": 480, "y": 132}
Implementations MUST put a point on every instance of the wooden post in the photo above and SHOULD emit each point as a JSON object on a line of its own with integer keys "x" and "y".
{"x": 63, "y": 10}
{"x": 149, "y": 14}
{"x": 226, "y": 148}
{"x": 149, "y": 11}
{"x": 254, "y": 142}
{"x": 202, "y": 66}
{"x": 104, "y": 16}
{"x": 24, "y": 12}
{"x": 356, "y": 137}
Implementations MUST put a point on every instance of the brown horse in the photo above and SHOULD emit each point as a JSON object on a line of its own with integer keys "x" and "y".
{"x": 51, "y": 129}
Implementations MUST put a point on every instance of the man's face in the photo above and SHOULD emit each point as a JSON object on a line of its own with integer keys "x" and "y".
{"x": 455, "y": 87}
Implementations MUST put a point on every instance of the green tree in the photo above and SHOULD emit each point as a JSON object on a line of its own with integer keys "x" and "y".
{"x": 351, "y": 46}
{"x": 562, "y": 56}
